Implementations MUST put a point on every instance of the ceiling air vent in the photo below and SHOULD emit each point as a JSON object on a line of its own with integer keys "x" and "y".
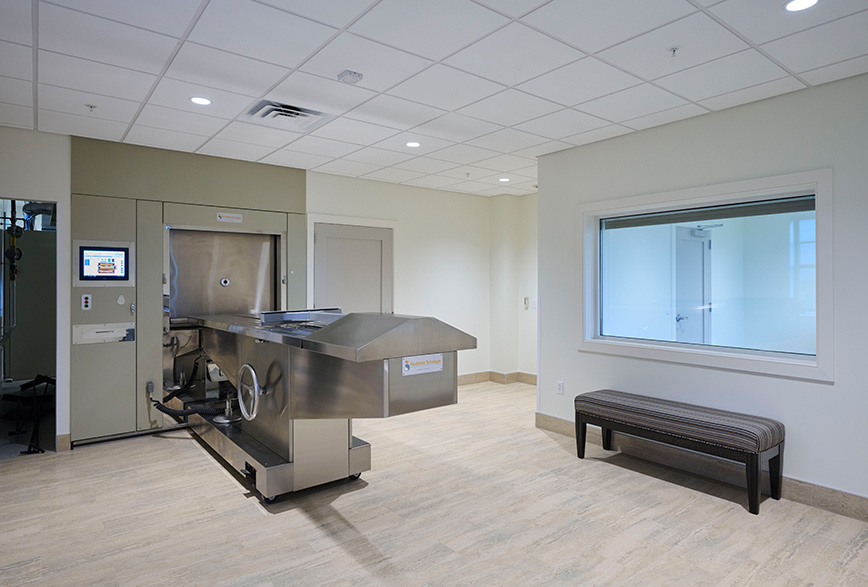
{"x": 287, "y": 117}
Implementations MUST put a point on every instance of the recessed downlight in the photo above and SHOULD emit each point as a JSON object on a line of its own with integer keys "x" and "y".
{"x": 201, "y": 101}
{"x": 414, "y": 144}
{"x": 797, "y": 5}
{"x": 504, "y": 179}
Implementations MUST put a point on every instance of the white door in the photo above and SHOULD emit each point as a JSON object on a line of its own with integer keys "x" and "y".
{"x": 352, "y": 268}
{"x": 692, "y": 286}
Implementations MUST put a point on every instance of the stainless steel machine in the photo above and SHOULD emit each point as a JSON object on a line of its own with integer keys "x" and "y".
{"x": 281, "y": 387}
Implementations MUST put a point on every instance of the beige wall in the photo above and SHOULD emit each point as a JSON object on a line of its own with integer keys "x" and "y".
{"x": 816, "y": 128}
{"x": 36, "y": 166}
{"x": 442, "y": 249}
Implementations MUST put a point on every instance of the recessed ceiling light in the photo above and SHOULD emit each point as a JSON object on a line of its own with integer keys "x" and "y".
{"x": 414, "y": 144}
{"x": 504, "y": 179}
{"x": 796, "y": 5}
{"x": 200, "y": 100}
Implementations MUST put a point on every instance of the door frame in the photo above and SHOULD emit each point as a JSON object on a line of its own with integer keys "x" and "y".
{"x": 313, "y": 219}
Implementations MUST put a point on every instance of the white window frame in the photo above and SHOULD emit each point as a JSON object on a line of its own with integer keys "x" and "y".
{"x": 813, "y": 368}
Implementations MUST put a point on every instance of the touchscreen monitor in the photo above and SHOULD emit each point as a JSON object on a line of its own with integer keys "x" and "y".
{"x": 103, "y": 263}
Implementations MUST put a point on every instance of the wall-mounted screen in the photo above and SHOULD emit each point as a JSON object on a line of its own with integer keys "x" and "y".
{"x": 103, "y": 263}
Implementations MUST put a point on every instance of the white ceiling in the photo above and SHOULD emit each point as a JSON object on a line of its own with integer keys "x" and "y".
{"x": 484, "y": 85}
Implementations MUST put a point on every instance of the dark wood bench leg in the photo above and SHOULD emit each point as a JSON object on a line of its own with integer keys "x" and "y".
{"x": 776, "y": 472}
{"x": 754, "y": 476}
{"x": 607, "y": 438}
{"x": 581, "y": 433}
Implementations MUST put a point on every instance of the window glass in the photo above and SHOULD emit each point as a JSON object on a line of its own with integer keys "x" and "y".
{"x": 738, "y": 276}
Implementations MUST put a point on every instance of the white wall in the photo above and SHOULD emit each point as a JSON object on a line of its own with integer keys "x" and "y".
{"x": 816, "y": 128}
{"x": 526, "y": 259}
{"x": 442, "y": 250}
{"x": 36, "y": 166}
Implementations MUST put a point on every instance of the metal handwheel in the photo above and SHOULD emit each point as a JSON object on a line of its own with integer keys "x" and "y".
{"x": 255, "y": 391}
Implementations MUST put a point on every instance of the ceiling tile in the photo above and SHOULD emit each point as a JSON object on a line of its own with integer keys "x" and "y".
{"x": 722, "y": 76}
{"x": 74, "y": 33}
{"x": 257, "y": 135}
{"x": 394, "y": 112}
{"x": 80, "y": 126}
{"x": 393, "y": 174}
{"x": 234, "y": 150}
{"x": 176, "y": 94}
{"x": 501, "y": 191}
{"x": 600, "y": 134}
{"x": 295, "y": 159}
{"x": 164, "y": 139}
{"x": 217, "y": 69}
{"x": 824, "y": 45}
{"x": 323, "y": 147}
{"x": 178, "y": 120}
{"x": 258, "y": 31}
{"x": 665, "y": 117}
{"x": 837, "y": 71}
{"x": 513, "y": 54}
{"x": 17, "y": 116}
{"x": 507, "y": 140}
{"x": 504, "y": 163}
{"x": 310, "y": 91}
{"x": 592, "y": 25}
{"x": 433, "y": 181}
{"x": 463, "y": 154}
{"x": 530, "y": 172}
{"x": 446, "y": 87}
{"x": 16, "y": 91}
{"x": 513, "y": 178}
{"x": 381, "y": 66}
{"x": 510, "y": 107}
{"x": 426, "y": 143}
{"x": 75, "y": 102}
{"x": 376, "y": 156}
{"x": 631, "y": 103}
{"x": 698, "y": 39}
{"x": 764, "y": 21}
{"x": 469, "y": 187}
{"x": 542, "y": 149}
{"x": 354, "y": 131}
{"x": 467, "y": 173}
{"x": 89, "y": 76}
{"x": 513, "y": 8}
{"x": 431, "y": 29}
{"x": 562, "y": 123}
{"x": 456, "y": 127}
{"x": 16, "y": 61}
{"x": 426, "y": 165}
{"x": 344, "y": 167}
{"x": 170, "y": 17}
{"x": 337, "y": 13}
{"x": 579, "y": 82}
{"x": 15, "y": 21}
{"x": 754, "y": 93}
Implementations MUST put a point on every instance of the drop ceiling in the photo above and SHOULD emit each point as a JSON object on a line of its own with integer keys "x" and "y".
{"x": 485, "y": 86}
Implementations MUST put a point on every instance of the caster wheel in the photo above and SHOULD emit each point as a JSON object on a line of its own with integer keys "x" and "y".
{"x": 354, "y": 477}
{"x": 269, "y": 499}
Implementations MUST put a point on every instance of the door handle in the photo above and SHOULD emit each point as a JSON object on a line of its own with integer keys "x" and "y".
{"x": 679, "y": 317}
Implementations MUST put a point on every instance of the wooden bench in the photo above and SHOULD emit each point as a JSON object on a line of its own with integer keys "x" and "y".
{"x": 747, "y": 439}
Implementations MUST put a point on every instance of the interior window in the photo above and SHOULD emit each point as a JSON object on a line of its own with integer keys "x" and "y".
{"x": 739, "y": 276}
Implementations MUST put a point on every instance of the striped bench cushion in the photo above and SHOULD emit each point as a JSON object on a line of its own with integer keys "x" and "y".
{"x": 732, "y": 430}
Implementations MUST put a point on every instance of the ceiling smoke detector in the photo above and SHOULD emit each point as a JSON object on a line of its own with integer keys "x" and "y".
{"x": 288, "y": 117}
{"x": 350, "y": 77}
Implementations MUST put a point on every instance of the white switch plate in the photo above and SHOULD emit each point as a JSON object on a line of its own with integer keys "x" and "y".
{"x": 560, "y": 388}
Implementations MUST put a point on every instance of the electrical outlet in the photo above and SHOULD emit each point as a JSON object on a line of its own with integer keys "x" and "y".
{"x": 560, "y": 388}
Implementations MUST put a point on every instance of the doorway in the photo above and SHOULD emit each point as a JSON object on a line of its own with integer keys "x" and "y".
{"x": 353, "y": 268}
{"x": 692, "y": 285}
{"x": 28, "y": 345}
